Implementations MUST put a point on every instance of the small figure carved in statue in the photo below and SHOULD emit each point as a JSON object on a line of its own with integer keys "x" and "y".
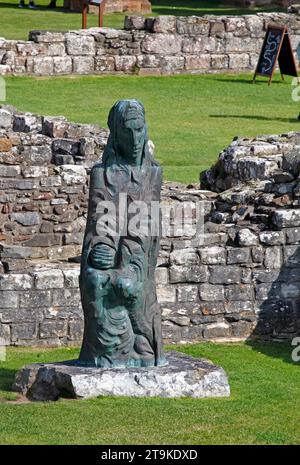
{"x": 117, "y": 278}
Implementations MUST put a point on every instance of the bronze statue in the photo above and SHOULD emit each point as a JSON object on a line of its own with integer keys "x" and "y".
{"x": 117, "y": 278}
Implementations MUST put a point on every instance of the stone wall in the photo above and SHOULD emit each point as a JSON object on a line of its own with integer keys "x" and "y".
{"x": 239, "y": 278}
{"x": 162, "y": 45}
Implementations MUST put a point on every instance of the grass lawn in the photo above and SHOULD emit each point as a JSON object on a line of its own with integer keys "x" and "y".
{"x": 15, "y": 23}
{"x": 191, "y": 118}
{"x": 263, "y": 408}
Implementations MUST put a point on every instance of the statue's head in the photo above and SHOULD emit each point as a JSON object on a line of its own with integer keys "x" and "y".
{"x": 128, "y": 130}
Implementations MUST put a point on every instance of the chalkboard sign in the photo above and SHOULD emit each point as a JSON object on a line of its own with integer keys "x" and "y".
{"x": 276, "y": 46}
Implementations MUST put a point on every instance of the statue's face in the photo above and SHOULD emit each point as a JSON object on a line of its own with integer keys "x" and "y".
{"x": 131, "y": 137}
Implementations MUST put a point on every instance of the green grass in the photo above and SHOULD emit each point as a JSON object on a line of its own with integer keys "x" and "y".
{"x": 191, "y": 118}
{"x": 263, "y": 408}
{"x": 16, "y": 23}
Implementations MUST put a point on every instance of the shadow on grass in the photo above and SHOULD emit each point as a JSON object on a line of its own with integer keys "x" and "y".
{"x": 15, "y": 6}
{"x": 258, "y": 118}
{"x": 7, "y": 377}
{"x": 277, "y": 350}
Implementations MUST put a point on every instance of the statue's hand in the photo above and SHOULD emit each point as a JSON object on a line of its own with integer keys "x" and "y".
{"x": 102, "y": 257}
{"x": 127, "y": 288}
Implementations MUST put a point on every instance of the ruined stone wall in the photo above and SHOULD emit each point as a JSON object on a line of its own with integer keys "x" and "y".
{"x": 239, "y": 277}
{"x": 162, "y": 45}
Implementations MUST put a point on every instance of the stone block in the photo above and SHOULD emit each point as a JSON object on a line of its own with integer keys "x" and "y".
{"x": 184, "y": 257}
{"x": 189, "y": 274}
{"x": 125, "y": 63}
{"x": 183, "y": 376}
{"x": 162, "y": 275}
{"x": 9, "y": 171}
{"x": 286, "y": 218}
{"x": 213, "y": 256}
{"x": 187, "y": 293}
{"x": 73, "y": 174}
{"x": 49, "y": 279}
{"x": 35, "y": 299}
{"x": 104, "y": 64}
{"x": 197, "y": 62}
{"x": 21, "y": 331}
{"x": 72, "y": 278}
{"x": 43, "y": 66}
{"x": 239, "y": 61}
{"x": 9, "y": 299}
{"x": 80, "y": 44}
{"x": 56, "y": 328}
{"x": 211, "y": 293}
{"x": 272, "y": 238}
{"x": 166, "y": 294}
{"x": 192, "y": 25}
{"x": 239, "y": 292}
{"x": 69, "y": 297}
{"x": 6, "y": 118}
{"x": 62, "y": 65}
{"x": 164, "y": 24}
{"x": 217, "y": 330}
{"x": 15, "y": 282}
{"x": 26, "y": 218}
{"x": 83, "y": 64}
{"x": 238, "y": 256}
{"x": 34, "y": 171}
{"x": 195, "y": 45}
{"x": 229, "y": 274}
{"x": 212, "y": 308}
{"x": 163, "y": 44}
{"x": 246, "y": 238}
{"x": 219, "y": 61}
{"x": 273, "y": 257}
{"x": 75, "y": 330}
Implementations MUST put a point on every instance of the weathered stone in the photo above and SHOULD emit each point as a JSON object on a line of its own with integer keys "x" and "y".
{"x": 125, "y": 63}
{"x": 190, "y": 274}
{"x": 209, "y": 292}
{"x": 80, "y": 45}
{"x": 53, "y": 329}
{"x": 34, "y": 171}
{"x": 217, "y": 330}
{"x": 183, "y": 376}
{"x": 225, "y": 274}
{"x": 286, "y": 218}
{"x": 71, "y": 278}
{"x": 187, "y": 293}
{"x": 8, "y": 299}
{"x": 192, "y": 25}
{"x": 246, "y": 238}
{"x": 48, "y": 279}
{"x": 166, "y": 294}
{"x": 134, "y": 22}
{"x": 62, "y": 65}
{"x": 272, "y": 237}
{"x": 239, "y": 292}
{"x": 83, "y": 64}
{"x": 73, "y": 174}
{"x": 161, "y": 43}
{"x": 273, "y": 257}
{"x": 26, "y": 218}
{"x": 184, "y": 257}
{"x": 43, "y": 66}
{"x": 238, "y": 255}
{"x": 6, "y": 118}
{"x": 213, "y": 256}
{"x": 35, "y": 299}
{"x": 9, "y": 171}
{"x": 15, "y": 282}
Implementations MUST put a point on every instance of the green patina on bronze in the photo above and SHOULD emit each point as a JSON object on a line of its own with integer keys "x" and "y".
{"x": 117, "y": 278}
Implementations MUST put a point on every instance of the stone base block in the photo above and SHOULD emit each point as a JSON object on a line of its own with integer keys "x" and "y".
{"x": 184, "y": 376}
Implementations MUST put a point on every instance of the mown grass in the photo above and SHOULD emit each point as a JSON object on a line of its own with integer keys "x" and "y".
{"x": 15, "y": 23}
{"x": 263, "y": 408}
{"x": 190, "y": 118}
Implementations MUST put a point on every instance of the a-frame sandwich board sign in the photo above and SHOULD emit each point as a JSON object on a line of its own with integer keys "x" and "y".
{"x": 276, "y": 47}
